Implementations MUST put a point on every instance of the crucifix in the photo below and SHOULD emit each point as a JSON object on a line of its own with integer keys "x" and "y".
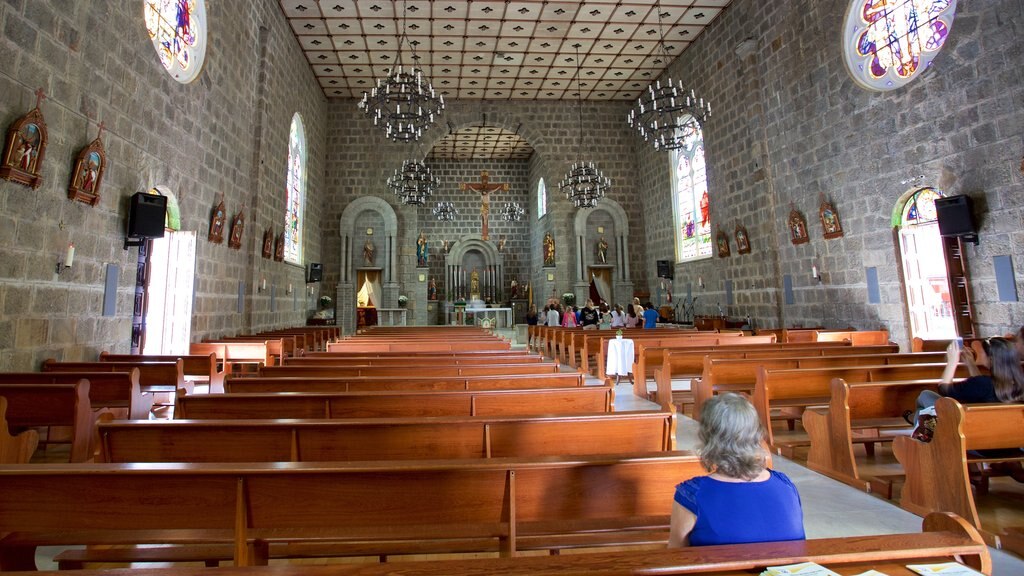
{"x": 484, "y": 187}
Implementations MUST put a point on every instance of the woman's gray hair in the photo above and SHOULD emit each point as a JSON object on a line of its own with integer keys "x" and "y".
{"x": 731, "y": 437}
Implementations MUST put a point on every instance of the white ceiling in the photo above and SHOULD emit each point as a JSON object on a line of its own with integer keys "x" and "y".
{"x": 485, "y": 49}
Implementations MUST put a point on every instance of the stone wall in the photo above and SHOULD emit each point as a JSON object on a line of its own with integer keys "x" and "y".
{"x": 223, "y": 135}
{"x": 790, "y": 125}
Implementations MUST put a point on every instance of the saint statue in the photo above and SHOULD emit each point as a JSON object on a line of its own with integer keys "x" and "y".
{"x": 474, "y": 285}
{"x": 602, "y": 250}
{"x": 549, "y": 249}
{"x": 514, "y": 289}
{"x": 432, "y": 290}
{"x": 501, "y": 244}
{"x": 421, "y": 251}
{"x": 368, "y": 251}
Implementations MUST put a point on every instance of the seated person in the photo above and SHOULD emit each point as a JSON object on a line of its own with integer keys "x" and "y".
{"x": 741, "y": 500}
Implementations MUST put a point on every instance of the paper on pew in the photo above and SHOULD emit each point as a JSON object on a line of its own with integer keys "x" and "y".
{"x": 946, "y": 569}
{"x": 872, "y": 573}
{"x": 801, "y": 569}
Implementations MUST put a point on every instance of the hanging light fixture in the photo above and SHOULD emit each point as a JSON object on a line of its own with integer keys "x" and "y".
{"x": 404, "y": 104}
{"x": 584, "y": 184}
{"x": 413, "y": 183}
{"x": 445, "y": 211}
{"x": 512, "y": 212}
{"x": 664, "y": 111}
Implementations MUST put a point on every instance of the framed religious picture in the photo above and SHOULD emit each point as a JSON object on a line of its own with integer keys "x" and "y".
{"x": 217, "y": 218}
{"x": 237, "y": 227}
{"x": 797, "y": 227}
{"x": 830, "y": 220}
{"x": 279, "y": 247}
{"x": 268, "y": 242}
{"x": 24, "y": 148}
{"x": 722, "y": 240}
{"x": 742, "y": 240}
{"x": 87, "y": 174}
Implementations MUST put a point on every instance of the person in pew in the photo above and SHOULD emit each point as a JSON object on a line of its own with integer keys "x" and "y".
{"x": 569, "y": 318}
{"x": 741, "y": 500}
{"x": 531, "y": 315}
{"x": 1018, "y": 343}
{"x": 631, "y": 318}
{"x": 618, "y": 317}
{"x": 554, "y": 318}
{"x": 650, "y": 316}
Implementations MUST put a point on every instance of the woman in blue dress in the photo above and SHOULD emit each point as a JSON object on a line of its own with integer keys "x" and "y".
{"x": 741, "y": 500}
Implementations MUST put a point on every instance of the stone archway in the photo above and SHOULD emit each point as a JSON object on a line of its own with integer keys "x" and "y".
{"x": 354, "y": 236}
{"x": 617, "y": 261}
{"x": 473, "y": 252}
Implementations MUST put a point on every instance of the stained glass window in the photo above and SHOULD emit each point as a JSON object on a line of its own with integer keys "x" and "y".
{"x": 178, "y": 31}
{"x": 296, "y": 191}
{"x": 920, "y": 208}
{"x": 690, "y": 193}
{"x": 542, "y": 199}
{"x": 889, "y": 42}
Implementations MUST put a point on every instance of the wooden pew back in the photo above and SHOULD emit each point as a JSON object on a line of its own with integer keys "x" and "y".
{"x": 380, "y": 383}
{"x": 408, "y": 369}
{"x": 195, "y": 367}
{"x": 153, "y": 376}
{"x": 15, "y": 449}
{"x": 232, "y": 354}
{"x": 432, "y": 360}
{"x": 118, "y": 390}
{"x": 36, "y": 405}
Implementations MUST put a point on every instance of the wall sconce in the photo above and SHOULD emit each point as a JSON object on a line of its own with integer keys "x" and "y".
{"x": 700, "y": 282}
{"x": 815, "y": 273}
{"x": 289, "y": 292}
{"x": 69, "y": 259}
{"x": 262, "y": 285}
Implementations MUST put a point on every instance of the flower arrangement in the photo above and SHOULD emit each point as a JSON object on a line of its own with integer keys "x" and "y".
{"x": 325, "y": 301}
{"x": 402, "y": 300}
{"x": 618, "y": 333}
{"x": 569, "y": 299}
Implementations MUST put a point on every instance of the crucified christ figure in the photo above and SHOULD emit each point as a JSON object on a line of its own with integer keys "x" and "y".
{"x": 484, "y": 187}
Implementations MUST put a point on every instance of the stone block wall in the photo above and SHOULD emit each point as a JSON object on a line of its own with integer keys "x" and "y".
{"x": 790, "y": 126}
{"x": 223, "y": 135}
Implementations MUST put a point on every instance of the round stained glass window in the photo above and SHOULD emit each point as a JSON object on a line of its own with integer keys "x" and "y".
{"x": 887, "y": 43}
{"x": 178, "y": 31}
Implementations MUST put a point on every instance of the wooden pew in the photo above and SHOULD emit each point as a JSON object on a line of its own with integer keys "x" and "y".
{"x": 346, "y": 440}
{"x": 359, "y": 508}
{"x": 651, "y": 353}
{"x": 196, "y": 368}
{"x": 371, "y": 383}
{"x": 153, "y": 376}
{"x": 397, "y": 404}
{"x": 590, "y": 342}
{"x": 278, "y": 347}
{"x": 15, "y": 449}
{"x": 296, "y": 371}
{"x": 945, "y": 538}
{"x": 855, "y": 337}
{"x": 795, "y": 389}
{"x": 384, "y": 345}
{"x": 859, "y": 413}
{"x": 414, "y": 359}
{"x": 244, "y": 355}
{"x": 119, "y": 391}
{"x": 937, "y": 472}
{"x": 38, "y": 405}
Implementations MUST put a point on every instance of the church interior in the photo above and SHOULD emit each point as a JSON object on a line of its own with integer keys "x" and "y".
{"x": 225, "y": 168}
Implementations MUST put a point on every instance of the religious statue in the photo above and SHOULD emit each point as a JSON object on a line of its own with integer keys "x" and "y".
{"x": 474, "y": 285}
{"x": 602, "y": 250}
{"x": 421, "y": 251}
{"x": 514, "y": 289}
{"x": 368, "y": 251}
{"x": 447, "y": 246}
{"x": 432, "y": 290}
{"x": 484, "y": 187}
{"x": 549, "y": 249}
{"x": 501, "y": 244}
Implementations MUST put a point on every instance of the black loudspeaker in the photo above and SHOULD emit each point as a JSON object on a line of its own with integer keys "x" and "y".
{"x": 665, "y": 269}
{"x": 146, "y": 216}
{"x": 316, "y": 272}
{"x": 955, "y": 215}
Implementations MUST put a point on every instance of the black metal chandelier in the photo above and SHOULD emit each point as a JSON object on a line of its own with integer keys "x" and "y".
{"x": 445, "y": 211}
{"x": 512, "y": 212}
{"x": 664, "y": 111}
{"x": 584, "y": 185}
{"x": 404, "y": 104}
{"x": 413, "y": 183}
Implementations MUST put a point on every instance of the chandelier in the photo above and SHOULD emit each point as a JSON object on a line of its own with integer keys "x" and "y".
{"x": 663, "y": 113}
{"x": 445, "y": 211}
{"x": 413, "y": 183}
{"x": 584, "y": 184}
{"x": 512, "y": 212}
{"x": 404, "y": 104}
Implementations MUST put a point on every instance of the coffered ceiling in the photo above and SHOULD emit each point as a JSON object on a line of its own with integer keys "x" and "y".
{"x": 484, "y": 49}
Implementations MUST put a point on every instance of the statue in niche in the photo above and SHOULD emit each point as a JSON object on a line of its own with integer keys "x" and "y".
{"x": 474, "y": 285}
{"x": 501, "y": 243}
{"x": 369, "y": 251}
{"x": 602, "y": 250}
{"x": 432, "y": 290}
{"x": 421, "y": 251}
{"x": 514, "y": 289}
{"x": 549, "y": 249}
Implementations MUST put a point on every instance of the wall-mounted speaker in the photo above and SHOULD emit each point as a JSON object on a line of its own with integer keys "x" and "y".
{"x": 955, "y": 215}
{"x": 665, "y": 269}
{"x": 316, "y": 272}
{"x": 146, "y": 216}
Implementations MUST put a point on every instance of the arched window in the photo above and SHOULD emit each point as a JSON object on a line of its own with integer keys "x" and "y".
{"x": 178, "y": 31}
{"x": 296, "y": 191}
{"x": 542, "y": 199}
{"x": 887, "y": 43}
{"x": 690, "y": 196}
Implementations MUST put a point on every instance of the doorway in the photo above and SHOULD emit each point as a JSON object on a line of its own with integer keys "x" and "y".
{"x": 171, "y": 265}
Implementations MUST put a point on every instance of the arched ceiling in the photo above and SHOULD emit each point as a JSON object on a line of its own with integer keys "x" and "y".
{"x": 487, "y": 49}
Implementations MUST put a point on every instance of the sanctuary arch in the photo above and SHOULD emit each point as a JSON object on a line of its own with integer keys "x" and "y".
{"x": 610, "y": 274}
{"x": 368, "y": 258}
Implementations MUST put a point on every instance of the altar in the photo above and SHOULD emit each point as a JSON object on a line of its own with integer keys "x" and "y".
{"x": 462, "y": 315}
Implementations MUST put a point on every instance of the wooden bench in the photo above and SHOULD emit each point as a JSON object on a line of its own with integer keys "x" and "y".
{"x": 413, "y": 359}
{"x": 859, "y": 413}
{"x": 371, "y": 383}
{"x": 15, "y": 449}
{"x": 278, "y": 347}
{"x": 119, "y": 391}
{"x": 359, "y": 508}
{"x": 153, "y": 376}
{"x": 346, "y": 440}
{"x": 39, "y": 405}
{"x": 196, "y": 368}
{"x": 232, "y": 355}
{"x": 409, "y": 369}
{"x": 937, "y": 472}
{"x": 855, "y": 337}
{"x": 792, "y": 390}
{"x": 651, "y": 353}
{"x": 397, "y": 404}
{"x": 590, "y": 343}
{"x": 387, "y": 345}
